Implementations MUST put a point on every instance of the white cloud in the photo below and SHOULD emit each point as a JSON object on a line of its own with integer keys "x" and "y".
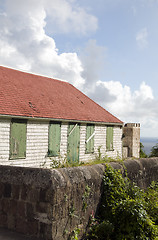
{"x": 141, "y": 38}
{"x": 138, "y": 106}
{"x": 69, "y": 17}
{"x": 25, "y": 45}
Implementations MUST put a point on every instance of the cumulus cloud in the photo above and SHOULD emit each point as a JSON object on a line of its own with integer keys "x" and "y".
{"x": 138, "y": 106}
{"x": 69, "y": 17}
{"x": 25, "y": 45}
{"x": 141, "y": 38}
{"x": 128, "y": 104}
{"x": 101, "y": 94}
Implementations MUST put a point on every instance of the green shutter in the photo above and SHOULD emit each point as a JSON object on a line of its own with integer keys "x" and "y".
{"x": 73, "y": 142}
{"x": 54, "y": 139}
{"x": 18, "y": 139}
{"x": 90, "y": 138}
{"x": 109, "y": 138}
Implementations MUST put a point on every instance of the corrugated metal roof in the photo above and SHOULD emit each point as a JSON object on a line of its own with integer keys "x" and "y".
{"x": 29, "y": 95}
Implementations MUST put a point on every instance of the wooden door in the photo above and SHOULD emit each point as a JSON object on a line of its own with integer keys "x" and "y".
{"x": 73, "y": 145}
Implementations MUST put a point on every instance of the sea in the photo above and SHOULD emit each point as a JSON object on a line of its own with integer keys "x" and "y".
{"x": 148, "y": 143}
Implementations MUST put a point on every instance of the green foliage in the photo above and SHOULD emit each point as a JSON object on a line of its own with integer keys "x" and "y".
{"x": 124, "y": 210}
{"x": 72, "y": 212}
{"x": 142, "y": 152}
{"x": 151, "y": 199}
{"x": 154, "y": 151}
{"x": 85, "y": 197}
{"x": 63, "y": 162}
{"x": 74, "y": 234}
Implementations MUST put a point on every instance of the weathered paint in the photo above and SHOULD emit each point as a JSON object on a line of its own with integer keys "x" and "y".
{"x": 54, "y": 138}
{"x": 90, "y": 138}
{"x": 109, "y": 138}
{"x": 73, "y": 144}
{"x": 18, "y": 139}
{"x": 37, "y": 143}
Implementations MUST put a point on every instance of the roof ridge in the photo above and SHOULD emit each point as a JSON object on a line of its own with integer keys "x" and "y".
{"x": 34, "y": 74}
{"x": 53, "y": 98}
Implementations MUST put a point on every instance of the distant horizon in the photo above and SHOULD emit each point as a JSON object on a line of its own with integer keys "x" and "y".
{"x": 149, "y": 137}
{"x": 148, "y": 143}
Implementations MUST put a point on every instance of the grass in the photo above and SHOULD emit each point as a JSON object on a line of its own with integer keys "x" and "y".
{"x": 99, "y": 159}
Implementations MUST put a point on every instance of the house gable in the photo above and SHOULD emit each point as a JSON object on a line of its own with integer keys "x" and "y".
{"x": 29, "y": 95}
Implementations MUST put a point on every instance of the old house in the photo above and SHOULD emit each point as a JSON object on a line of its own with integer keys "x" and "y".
{"x": 43, "y": 118}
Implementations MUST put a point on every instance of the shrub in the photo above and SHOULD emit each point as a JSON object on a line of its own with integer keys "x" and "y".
{"x": 124, "y": 210}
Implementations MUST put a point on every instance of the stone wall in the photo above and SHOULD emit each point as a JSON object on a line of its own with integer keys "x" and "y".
{"x": 50, "y": 204}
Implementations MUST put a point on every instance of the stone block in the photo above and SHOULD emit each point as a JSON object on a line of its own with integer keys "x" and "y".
{"x": 41, "y": 207}
{"x": 3, "y": 220}
{"x": 1, "y": 189}
{"x": 33, "y": 195}
{"x": 7, "y": 190}
{"x": 16, "y": 191}
{"x": 21, "y": 225}
{"x": 24, "y": 192}
{"x": 29, "y": 212}
{"x": 21, "y": 209}
{"x": 46, "y": 231}
{"x": 5, "y": 203}
{"x": 43, "y": 195}
{"x": 13, "y": 207}
{"x": 11, "y": 222}
{"x": 32, "y": 228}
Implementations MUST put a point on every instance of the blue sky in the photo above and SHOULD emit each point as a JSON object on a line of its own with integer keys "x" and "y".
{"x": 106, "y": 48}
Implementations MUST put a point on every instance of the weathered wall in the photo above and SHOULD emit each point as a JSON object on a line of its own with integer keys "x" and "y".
{"x": 100, "y": 142}
{"x": 37, "y": 143}
{"x": 4, "y": 139}
{"x": 131, "y": 140}
{"x": 49, "y": 204}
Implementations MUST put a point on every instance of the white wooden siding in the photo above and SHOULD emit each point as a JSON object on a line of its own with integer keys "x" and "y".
{"x": 83, "y": 155}
{"x": 4, "y": 141}
{"x": 117, "y": 143}
{"x": 37, "y": 143}
{"x": 100, "y": 142}
{"x": 63, "y": 143}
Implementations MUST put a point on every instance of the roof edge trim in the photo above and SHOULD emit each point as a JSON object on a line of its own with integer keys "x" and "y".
{"x": 59, "y": 119}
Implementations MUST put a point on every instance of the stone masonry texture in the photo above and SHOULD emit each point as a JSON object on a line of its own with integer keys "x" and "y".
{"x": 50, "y": 203}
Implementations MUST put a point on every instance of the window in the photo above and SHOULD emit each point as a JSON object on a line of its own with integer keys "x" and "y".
{"x": 54, "y": 139}
{"x": 18, "y": 139}
{"x": 90, "y": 138}
{"x": 109, "y": 138}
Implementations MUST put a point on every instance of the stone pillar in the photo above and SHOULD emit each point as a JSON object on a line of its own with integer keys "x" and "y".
{"x": 131, "y": 140}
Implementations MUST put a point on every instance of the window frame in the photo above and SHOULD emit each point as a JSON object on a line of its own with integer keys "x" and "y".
{"x": 12, "y": 155}
{"x": 90, "y": 130}
{"x": 50, "y": 152}
{"x": 109, "y": 138}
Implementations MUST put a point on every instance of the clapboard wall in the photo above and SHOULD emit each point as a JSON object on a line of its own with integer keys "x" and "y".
{"x": 37, "y": 143}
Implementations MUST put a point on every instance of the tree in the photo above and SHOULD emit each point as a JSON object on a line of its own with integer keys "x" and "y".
{"x": 154, "y": 151}
{"x": 142, "y": 152}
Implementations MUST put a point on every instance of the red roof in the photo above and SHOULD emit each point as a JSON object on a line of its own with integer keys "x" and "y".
{"x": 29, "y": 95}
